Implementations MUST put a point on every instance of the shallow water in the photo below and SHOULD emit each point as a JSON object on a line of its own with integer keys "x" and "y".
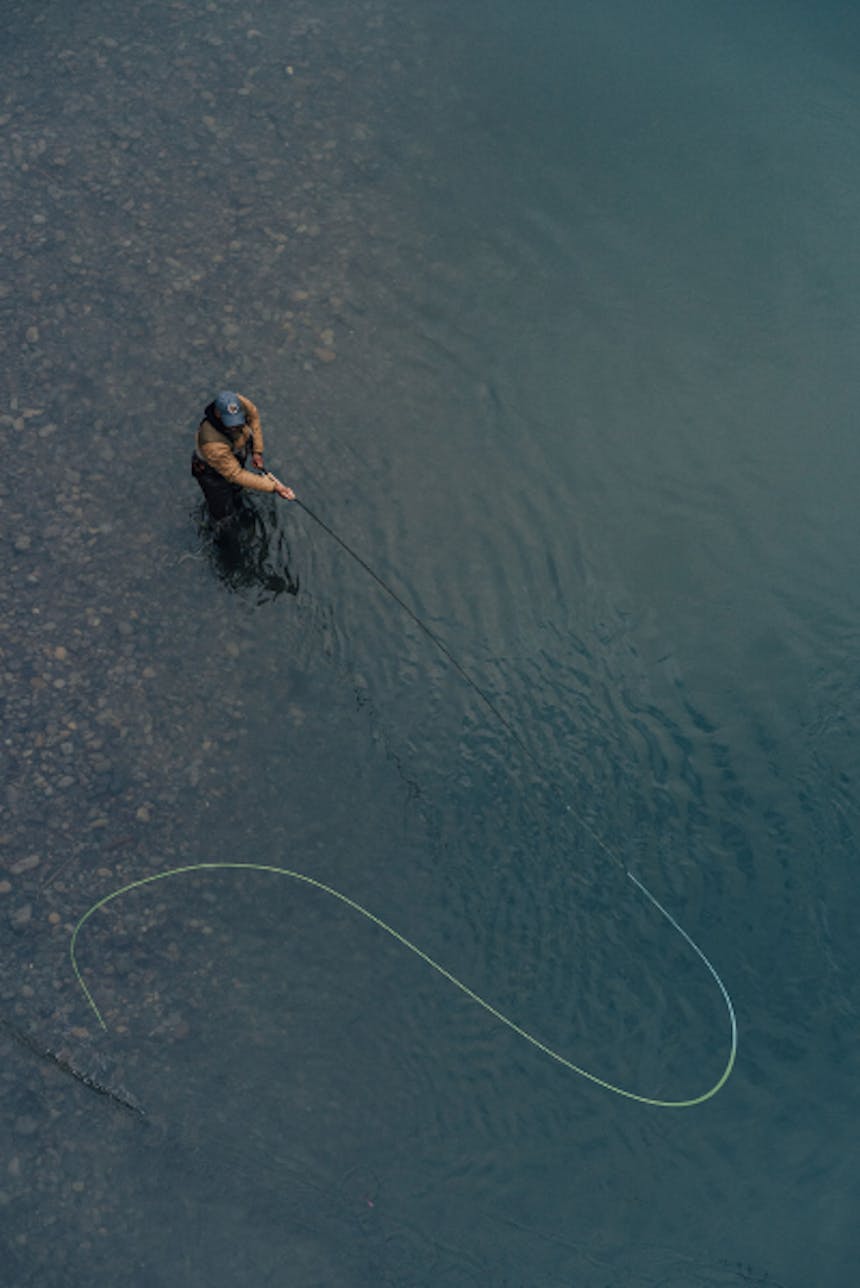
{"x": 551, "y": 313}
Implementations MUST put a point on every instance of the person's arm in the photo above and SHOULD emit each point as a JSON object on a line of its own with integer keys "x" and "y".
{"x": 219, "y": 456}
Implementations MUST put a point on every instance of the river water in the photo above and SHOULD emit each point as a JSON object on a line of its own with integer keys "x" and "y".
{"x": 551, "y": 313}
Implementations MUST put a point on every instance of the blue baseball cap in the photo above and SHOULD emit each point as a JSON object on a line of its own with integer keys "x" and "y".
{"x": 230, "y": 411}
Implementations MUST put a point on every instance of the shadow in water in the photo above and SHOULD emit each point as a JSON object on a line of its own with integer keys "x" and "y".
{"x": 249, "y": 553}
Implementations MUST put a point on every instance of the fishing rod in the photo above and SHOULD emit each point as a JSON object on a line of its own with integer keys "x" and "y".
{"x": 422, "y": 625}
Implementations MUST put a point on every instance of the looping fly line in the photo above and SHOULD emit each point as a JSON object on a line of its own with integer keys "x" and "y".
{"x": 425, "y": 957}
{"x": 401, "y": 939}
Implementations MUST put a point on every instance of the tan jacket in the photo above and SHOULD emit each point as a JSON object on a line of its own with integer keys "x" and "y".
{"x": 219, "y": 449}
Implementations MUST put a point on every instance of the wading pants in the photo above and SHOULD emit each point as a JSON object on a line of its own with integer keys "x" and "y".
{"x": 224, "y": 499}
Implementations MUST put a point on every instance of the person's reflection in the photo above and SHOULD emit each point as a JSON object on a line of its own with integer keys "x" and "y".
{"x": 249, "y": 551}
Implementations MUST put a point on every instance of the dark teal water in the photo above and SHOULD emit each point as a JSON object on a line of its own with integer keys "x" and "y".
{"x": 551, "y": 313}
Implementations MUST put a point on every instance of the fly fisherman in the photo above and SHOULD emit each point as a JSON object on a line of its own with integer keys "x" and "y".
{"x": 230, "y": 426}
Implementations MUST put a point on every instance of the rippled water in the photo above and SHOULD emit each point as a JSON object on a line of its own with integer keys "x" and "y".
{"x": 551, "y": 313}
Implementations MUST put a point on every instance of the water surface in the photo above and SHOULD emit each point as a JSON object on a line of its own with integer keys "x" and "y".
{"x": 551, "y": 313}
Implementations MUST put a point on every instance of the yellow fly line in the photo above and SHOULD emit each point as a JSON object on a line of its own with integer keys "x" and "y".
{"x": 302, "y": 877}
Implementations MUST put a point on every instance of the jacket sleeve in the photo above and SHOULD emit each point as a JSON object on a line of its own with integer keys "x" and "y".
{"x": 252, "y": 420}
{"x": 219, "y": 456}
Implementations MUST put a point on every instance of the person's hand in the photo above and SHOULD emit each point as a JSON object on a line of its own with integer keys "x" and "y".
{"x": 257, "y": 458}
{"x": 286, "y": 492}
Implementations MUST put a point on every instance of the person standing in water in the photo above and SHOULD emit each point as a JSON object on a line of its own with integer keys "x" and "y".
{"x": 229, "y": 428}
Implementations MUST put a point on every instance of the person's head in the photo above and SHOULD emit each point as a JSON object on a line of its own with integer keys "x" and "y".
{"x": 229, "y": 410}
